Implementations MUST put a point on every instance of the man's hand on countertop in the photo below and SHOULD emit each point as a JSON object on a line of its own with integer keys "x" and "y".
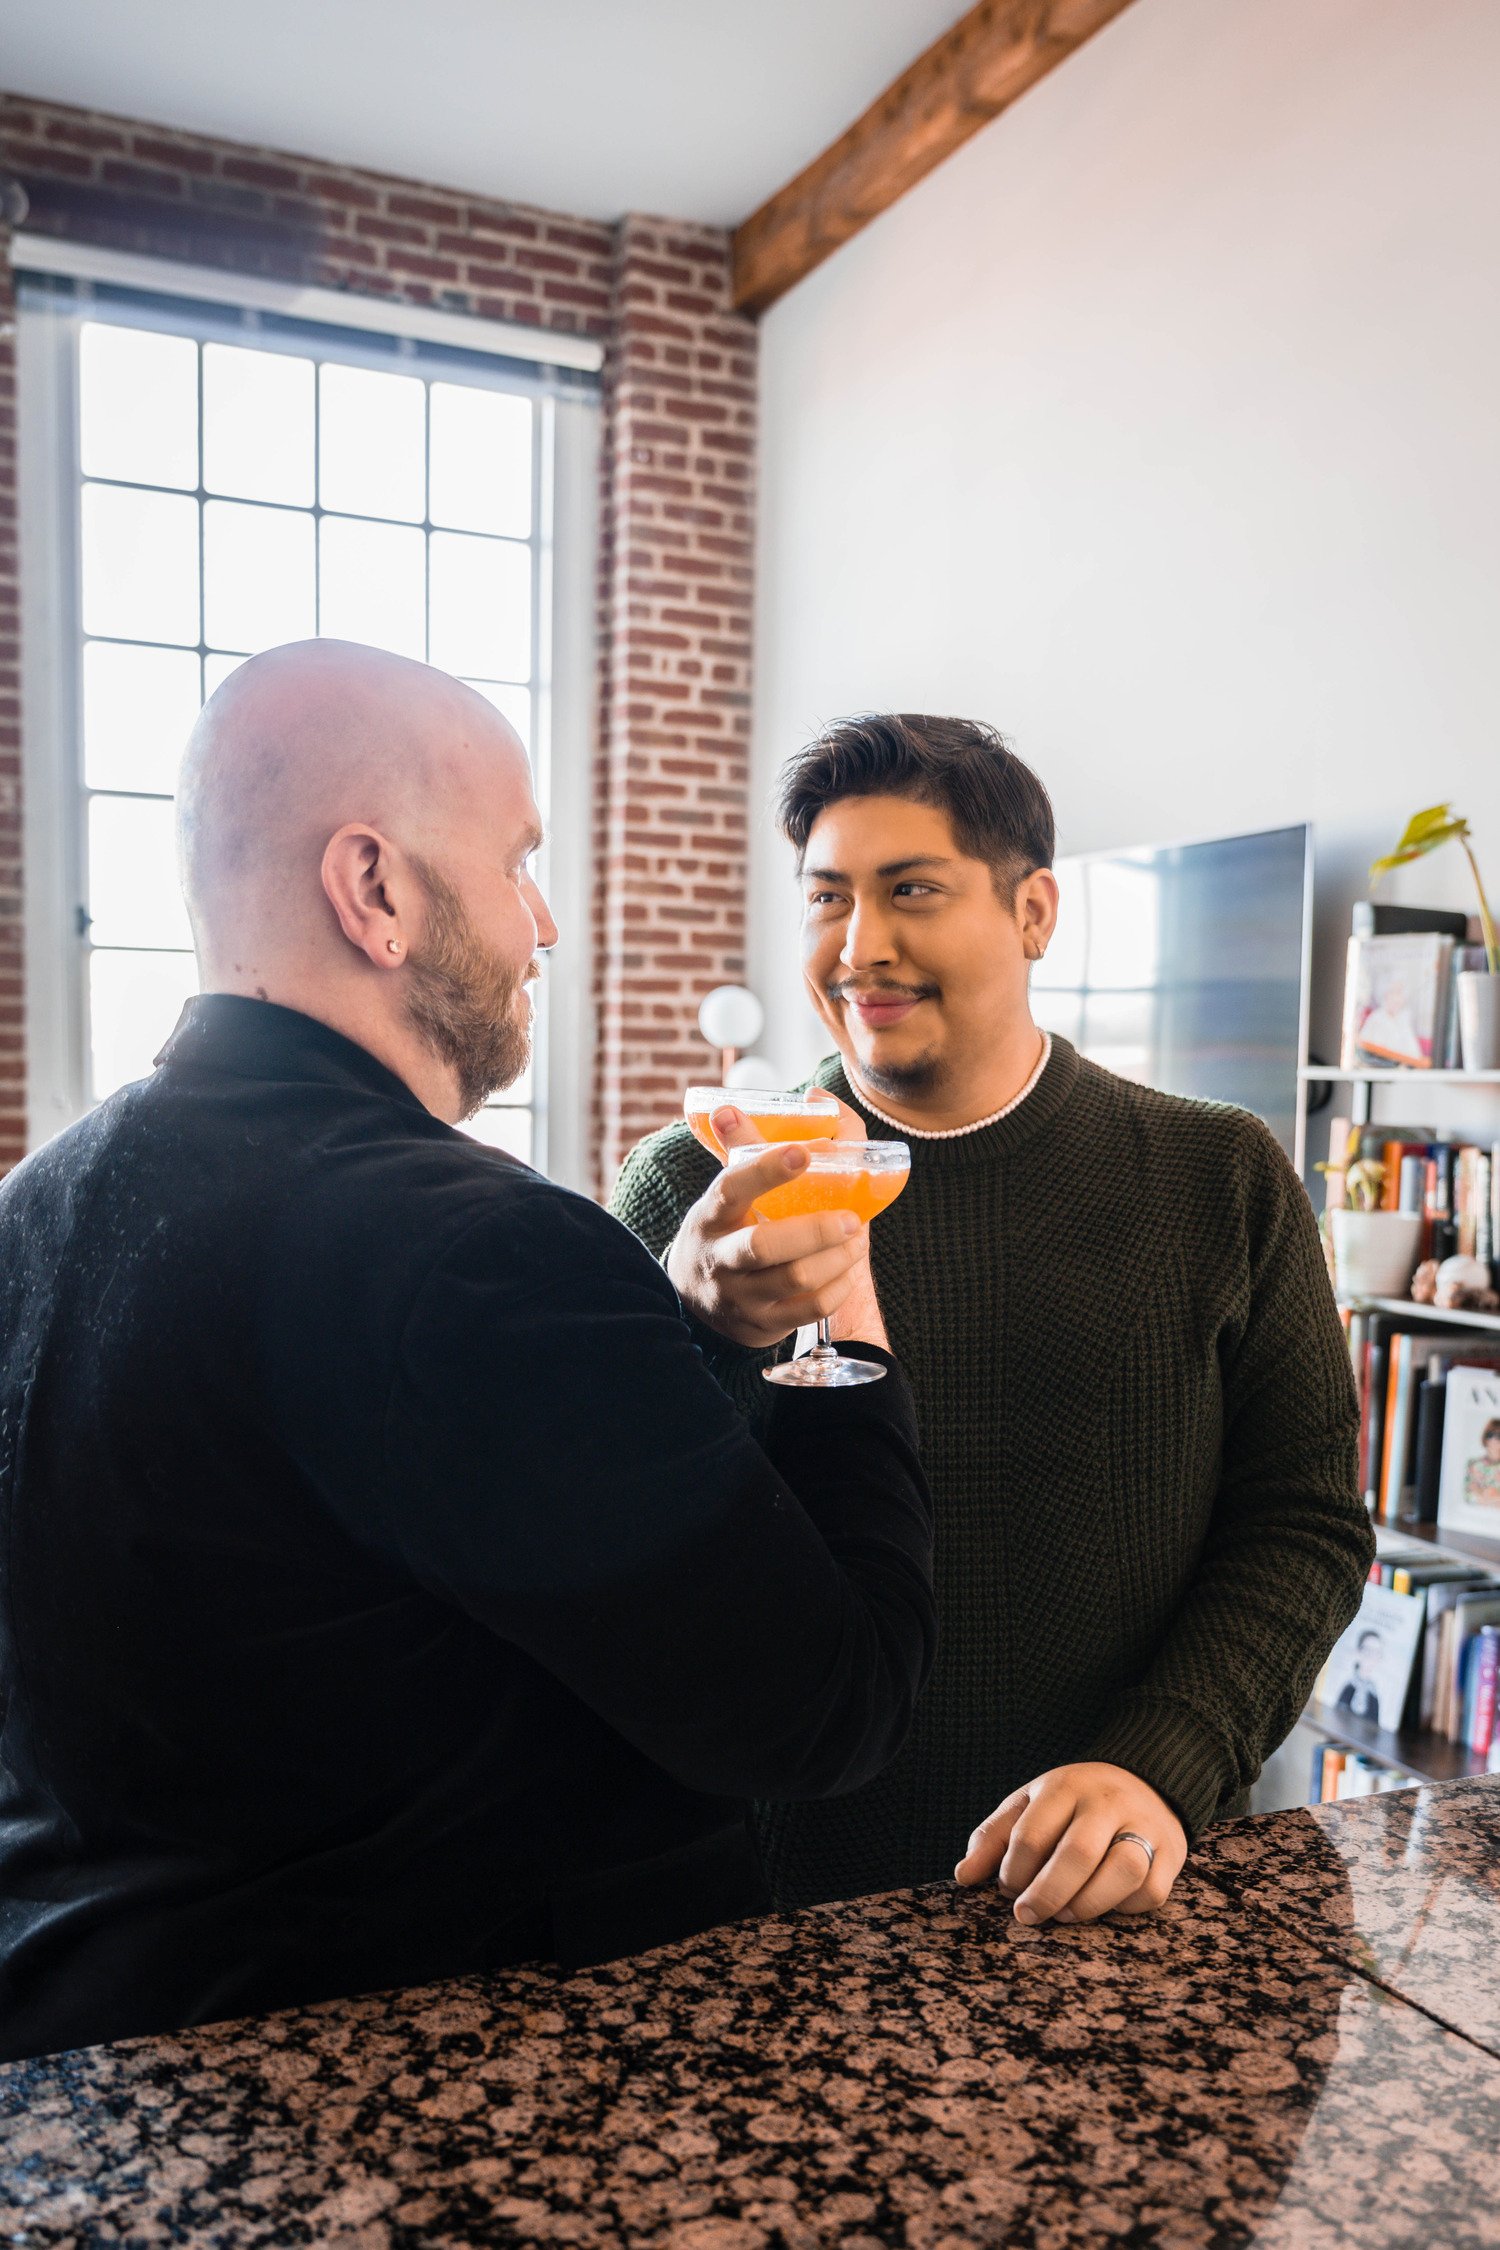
{"x": 1056, "y": 1846}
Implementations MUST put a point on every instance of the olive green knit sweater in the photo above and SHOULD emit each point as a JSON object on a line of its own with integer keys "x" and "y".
{"x": 1138, "y": 1420}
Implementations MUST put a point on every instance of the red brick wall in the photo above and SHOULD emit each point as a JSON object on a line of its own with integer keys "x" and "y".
{"x": 675, "y": 673}
{"x": 214, "y": 203}
{"x": 676, "y": 523}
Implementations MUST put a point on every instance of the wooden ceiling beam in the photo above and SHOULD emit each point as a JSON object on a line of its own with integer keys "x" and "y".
{"x": 978, "y": 68}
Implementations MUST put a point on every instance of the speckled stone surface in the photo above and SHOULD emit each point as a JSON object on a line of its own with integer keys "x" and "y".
{"x": 1406, "y": 1887}
{"x": 912, "y": 2070}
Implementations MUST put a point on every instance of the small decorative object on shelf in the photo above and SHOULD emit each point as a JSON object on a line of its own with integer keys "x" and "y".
{"x": 1373, "y": 1250}
{"x": 1456, "y": 1285}
{"x": 1477, "y": 990}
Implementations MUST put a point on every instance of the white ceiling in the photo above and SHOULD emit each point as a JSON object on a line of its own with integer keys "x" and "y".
{"x": 695, "y": 108}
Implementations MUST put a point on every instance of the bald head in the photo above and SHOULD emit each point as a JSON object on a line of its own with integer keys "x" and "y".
{"x": 327, "y": 795}
{"x": 307, "y": 738}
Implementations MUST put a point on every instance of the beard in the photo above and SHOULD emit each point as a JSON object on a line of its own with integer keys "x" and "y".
{"x": 922, "y": 1075}
{"x": 462, "y": 1002}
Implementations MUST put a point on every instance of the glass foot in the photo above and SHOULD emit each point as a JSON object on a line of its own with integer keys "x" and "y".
{"x": 824, "y": 1369}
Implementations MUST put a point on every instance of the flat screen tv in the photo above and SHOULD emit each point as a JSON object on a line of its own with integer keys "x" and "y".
{"x": 1185, "y": 966}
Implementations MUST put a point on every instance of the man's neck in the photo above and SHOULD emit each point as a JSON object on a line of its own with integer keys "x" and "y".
{"x": 957, "y": 1099}
{"x": 356, "y": 1017}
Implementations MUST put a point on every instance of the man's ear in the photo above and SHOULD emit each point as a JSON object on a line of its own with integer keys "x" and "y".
{"x": 1036, "y": 911}
{"x": 359, "y": 878}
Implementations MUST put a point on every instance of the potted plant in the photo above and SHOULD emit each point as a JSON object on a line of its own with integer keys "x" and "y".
{"x": 1478, "y": 989}
{"x": 1374, "y": 1251}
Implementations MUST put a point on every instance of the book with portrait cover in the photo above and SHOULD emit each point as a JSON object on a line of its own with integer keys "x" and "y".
{"x": 1395, "y": 998}
{"x": 1369, "y": 1668}
{"x": 1469, "y": 1479}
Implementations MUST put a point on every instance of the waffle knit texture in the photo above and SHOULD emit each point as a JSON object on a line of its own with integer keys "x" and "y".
{"x": 1138, "y": 1419}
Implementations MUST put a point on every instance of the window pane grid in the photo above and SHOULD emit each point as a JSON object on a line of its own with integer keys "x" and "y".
{"x": 159, "y": 587}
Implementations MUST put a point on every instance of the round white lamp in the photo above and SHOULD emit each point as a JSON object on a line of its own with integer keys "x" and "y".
{"x": 730, "y": 1018}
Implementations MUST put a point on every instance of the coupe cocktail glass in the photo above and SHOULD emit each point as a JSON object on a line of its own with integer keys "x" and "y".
{"x": 776, "y": 1117}
{"x": 864, "y": 1177}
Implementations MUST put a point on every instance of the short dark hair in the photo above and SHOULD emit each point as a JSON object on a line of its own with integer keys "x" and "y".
{"x": 1491, "y": 1429}
{"x": 999, "y": 810}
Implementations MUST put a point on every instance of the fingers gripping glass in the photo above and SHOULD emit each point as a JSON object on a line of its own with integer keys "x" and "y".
{"x": 776, "y": 1117}
{"x": 864, "y": 1177}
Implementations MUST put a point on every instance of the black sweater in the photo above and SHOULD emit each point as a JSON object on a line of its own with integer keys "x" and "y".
{"x": 1138, "y": 1417}
{"x": 386, "y": 1588}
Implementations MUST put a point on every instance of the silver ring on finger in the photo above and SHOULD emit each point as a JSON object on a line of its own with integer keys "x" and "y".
{"x": 1129, "y": 1836}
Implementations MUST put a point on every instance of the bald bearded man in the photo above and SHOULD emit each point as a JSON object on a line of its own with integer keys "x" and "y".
{"x": 390, "y": 1592}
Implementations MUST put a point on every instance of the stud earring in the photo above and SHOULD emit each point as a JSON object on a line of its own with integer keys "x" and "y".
{"x": 393, "y": 945}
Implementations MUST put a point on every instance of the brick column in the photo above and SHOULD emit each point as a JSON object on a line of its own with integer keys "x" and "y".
{"x": 676, "y": 589}
{"x": 12, "y": 1027}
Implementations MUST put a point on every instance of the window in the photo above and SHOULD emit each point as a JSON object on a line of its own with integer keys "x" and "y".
{"x": 220, "y": 488}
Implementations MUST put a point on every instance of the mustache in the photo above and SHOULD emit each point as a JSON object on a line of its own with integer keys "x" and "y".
{"x": 852, "y": 991}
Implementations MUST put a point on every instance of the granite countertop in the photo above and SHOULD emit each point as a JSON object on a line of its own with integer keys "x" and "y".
{"x": 1302, "y": 2050}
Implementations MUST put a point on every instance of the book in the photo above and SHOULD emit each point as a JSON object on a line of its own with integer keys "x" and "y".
{"x": 1432, "y": 1395}
{"x": 1401, "y": 1389}
{"x": 1369, "y": 1669}
{"x": 1402, "y": 1351}
{"x": 1484, "y": 1208}
{"x": 1372, "y": 1416}
{"x": 1473, "y": 1610}
{"x": 1418, "y": 1497}
{"x": 1479, "y": 1731}
{"x": 1469, "y": 1478}
{"x": 1385, "y": 918}
{"x": 1393, "y": 1155}
{"x": 1395, "y": 994}
{"x": 1441, "y": 1597}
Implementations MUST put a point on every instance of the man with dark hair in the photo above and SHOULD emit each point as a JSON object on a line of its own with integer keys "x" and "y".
{"x": 1135, "y": 1399}
{"x": 389, "y": 1593}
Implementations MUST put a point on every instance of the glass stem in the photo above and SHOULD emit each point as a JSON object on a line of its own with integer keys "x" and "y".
{"x": 825, "y": 1341}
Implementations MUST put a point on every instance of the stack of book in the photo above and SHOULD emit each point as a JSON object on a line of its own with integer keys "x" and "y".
{"x": 1429, "y": 1399}
{"x": 1423, "y": 1653}
{"x": 1340, "y": 1773}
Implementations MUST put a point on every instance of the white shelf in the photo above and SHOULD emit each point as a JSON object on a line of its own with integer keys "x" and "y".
{"x": 1324, "y": 1074}
{"x": 1404, "y": 1305}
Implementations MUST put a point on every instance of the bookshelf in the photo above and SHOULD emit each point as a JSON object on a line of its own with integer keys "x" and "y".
{"x": 1326, "y": 1074}
{"x": 1426, "y": 1757}
{"x": 1409, "y": 1309}
{"x": 1461, "y": 1544}
{"x": 1418, "y": 1752}
{"x": 1412, "y": 1750}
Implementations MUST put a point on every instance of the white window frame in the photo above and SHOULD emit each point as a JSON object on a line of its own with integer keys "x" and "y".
{"x": 563, "y": 679}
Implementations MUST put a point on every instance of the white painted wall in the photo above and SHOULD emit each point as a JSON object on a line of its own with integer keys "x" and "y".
{"x": 1161, "y": 427}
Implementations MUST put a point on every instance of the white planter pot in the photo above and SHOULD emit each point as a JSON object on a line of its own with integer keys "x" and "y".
{"x": 1375, "y": 1252}
{"x": 1479, "y": 1019}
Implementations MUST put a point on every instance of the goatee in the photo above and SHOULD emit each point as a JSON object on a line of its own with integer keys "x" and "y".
{"x": 899, "y": 1080}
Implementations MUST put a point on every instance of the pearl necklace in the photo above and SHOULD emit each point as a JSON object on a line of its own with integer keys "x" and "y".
{"x": 957, "y": 1132}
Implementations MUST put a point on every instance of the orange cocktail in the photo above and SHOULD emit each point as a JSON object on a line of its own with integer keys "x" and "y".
{"x": 776, "y": 1117}
{"x": 864, "y": 1177}
{"x": 855, "y": 1183}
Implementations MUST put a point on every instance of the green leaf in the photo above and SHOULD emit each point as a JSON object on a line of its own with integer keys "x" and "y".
{"x": 1423, "y": 827}
{"x": 1425, "y": 832}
